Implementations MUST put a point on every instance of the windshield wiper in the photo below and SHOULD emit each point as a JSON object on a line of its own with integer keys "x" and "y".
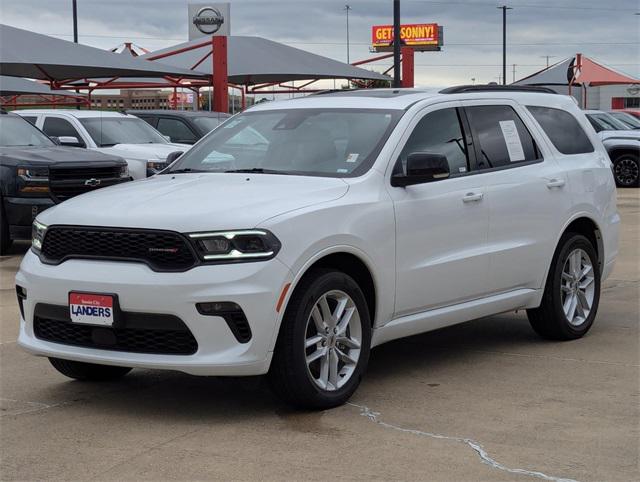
{"x": 183, "y": 170}
{"x": 258, "y": 170}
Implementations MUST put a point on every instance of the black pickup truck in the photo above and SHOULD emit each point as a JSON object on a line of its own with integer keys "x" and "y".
{"x": 36, "y": 173}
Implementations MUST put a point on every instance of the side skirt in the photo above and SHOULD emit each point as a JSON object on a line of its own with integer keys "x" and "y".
{"x": 454, "y": 314}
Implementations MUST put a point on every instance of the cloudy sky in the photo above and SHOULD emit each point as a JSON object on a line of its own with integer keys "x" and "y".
{"x": 607, "y": 30}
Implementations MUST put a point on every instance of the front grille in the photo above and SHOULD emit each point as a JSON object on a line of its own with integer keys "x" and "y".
{"x": 66, "y": 182}
{"x": 141, "y": 332}
{"x": 161, "y": 250}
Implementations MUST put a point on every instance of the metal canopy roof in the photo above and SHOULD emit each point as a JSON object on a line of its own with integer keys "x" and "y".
{"x": 37, "y": 56}
{"x": 255, "y": 60}
{"x": 19, "y": 86}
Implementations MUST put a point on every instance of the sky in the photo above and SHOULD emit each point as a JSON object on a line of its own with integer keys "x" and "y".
{"x": 606, "y": 30}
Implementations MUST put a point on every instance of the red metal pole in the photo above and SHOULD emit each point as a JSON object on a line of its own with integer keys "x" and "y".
{"x": 407, "y": 67}
{"x": 220, "y": 78}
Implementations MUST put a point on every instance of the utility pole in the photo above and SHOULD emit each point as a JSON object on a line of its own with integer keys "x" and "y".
{"x": 75, "y": 21}
{"x": 347, "y": 8}
{"x": 396, "y": 44}
{"x": 547, "y": 57}
{"x": 514, "y": 73}
{"x": 504, "y": 9}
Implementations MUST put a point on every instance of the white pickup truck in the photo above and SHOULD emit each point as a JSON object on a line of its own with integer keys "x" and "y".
{"x": 127, "y": 136}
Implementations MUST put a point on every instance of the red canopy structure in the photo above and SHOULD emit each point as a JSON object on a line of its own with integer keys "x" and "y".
{"x": 579, "y": 71}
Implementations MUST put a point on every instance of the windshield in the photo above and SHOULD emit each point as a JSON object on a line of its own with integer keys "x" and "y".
{"x": 109, "y": 131}
{"x": 15, "y": 131}
{"x": 316, "y": 142}
{"x": 628, "y": 119}
{"x": 207, "y": 124}
{"x": 607, "y": 122}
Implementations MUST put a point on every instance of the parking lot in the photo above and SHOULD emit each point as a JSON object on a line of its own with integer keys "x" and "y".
{"x": 485, "y": 400}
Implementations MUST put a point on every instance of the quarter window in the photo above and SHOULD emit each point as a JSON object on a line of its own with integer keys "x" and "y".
{"x": 57, "y": 127}
{"x": 502, "y": 136}
{"x": 562, "y": 129}
{"x": 439, "y": 132}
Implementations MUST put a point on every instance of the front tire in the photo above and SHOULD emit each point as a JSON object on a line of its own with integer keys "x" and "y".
{"x": 572, "y": 291}
{"x": 88, "y": 371}
{"x": 324, "y": 342}
{"x": 626, "y": 170}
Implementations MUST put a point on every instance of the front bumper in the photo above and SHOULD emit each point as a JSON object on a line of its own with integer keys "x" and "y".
{"x": 21, "y": 211}
{"x": 254, "y": 286}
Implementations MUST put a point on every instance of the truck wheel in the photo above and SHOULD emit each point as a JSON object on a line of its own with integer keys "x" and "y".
{"x": 324, "y": 341}
{"x": 626, "y": 171}
{"x": 5, "y": 237}
{"x": 88, "y": 371}
{"x": 572, "y": 292}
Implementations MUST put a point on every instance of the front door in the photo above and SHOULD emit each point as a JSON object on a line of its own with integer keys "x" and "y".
{"x": 441, "y": 226}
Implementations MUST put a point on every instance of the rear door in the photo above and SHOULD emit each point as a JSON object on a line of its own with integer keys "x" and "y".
{"x": 441, "y": 226}
{"x": 525, "y": 191}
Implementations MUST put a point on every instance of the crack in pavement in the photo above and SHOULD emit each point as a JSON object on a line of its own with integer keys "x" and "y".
{"x": 477, "y": 447}
{"x": 31, "y": 407}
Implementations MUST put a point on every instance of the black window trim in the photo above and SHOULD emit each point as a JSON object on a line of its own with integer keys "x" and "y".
{"x": 476, "y": 143}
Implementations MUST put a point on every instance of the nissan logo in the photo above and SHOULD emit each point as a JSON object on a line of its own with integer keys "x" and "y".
{"x": 208, "y": 20}
{"x": 93, "y": 182}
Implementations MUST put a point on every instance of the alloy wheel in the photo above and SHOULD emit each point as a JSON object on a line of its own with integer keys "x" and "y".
{"x": 577, "y": 287}
{"x": 333, "y": 338}
{"x": 626, "y": 171}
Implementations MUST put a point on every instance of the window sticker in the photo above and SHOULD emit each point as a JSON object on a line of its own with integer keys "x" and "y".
{"x": 353, "y": 157}
{"x": 512, "y": 139}
{"x": 462, "y": 169}
{"x": 342, "y": 171}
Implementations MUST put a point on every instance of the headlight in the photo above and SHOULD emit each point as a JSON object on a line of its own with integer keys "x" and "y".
{"x": 124, "y": 171}
{"x": 33, "y": 180}
{"x": 38, "y": 230}
{"x": 236, "y": 246}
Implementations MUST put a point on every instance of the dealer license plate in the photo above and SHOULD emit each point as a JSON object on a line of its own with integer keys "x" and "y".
{"x": 91, "y": 308}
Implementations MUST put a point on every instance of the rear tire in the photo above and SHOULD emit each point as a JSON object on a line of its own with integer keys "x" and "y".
{"x": 5, "y": 236}
{"x": 88, "y": 371}
{"x": 324, "y": 342}
{"x": 626, "y": 170}
{"x": 572, "y": 291}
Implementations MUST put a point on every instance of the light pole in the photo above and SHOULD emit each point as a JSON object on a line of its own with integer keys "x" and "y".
{"x": 75, "y": 21}
{"x": 504, "y": 9}
{"x": 347, "y": 8}
{"x": 396, "y": 44}
{"x": 547, "y": 57}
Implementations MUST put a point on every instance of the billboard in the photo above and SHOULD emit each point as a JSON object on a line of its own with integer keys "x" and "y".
{"x": 209, "y": 19}
{"x": 421, "y": 36}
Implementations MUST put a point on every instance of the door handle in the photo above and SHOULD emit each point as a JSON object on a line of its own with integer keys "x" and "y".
{"x": 551, "y": 183}
{"x": 472, "y": 197}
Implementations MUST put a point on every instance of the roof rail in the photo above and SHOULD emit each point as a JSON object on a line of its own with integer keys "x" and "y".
{"x": 460, "y": 89}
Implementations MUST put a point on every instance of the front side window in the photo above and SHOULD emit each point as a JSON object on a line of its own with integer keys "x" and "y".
{"x": 207, "y": 124}
{"x": 109, "y": 131}
{"x": 177, "y": 130}
{"x": 439, "y": 132}
{"x": 602, "y": 121}
{"x": 316, "y": 142}
{"x": 17, "y": 132}
{"x": 57, "y": 127}
{"x": 502, "y": 136}
{"x": 562, "y": 129}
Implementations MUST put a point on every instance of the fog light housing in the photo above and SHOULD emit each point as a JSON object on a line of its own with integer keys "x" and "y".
{"x": 232, "y": 314}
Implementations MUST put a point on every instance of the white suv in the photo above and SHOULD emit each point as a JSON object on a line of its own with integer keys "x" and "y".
{"x": 127, "y": 136}
{"x": 301, "y": 233}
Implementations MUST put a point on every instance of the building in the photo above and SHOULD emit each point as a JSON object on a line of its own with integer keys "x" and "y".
{"x": 131, "y": 99}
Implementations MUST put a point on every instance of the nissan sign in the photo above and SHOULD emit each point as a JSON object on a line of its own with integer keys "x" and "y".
{"x": 209, "y": 19}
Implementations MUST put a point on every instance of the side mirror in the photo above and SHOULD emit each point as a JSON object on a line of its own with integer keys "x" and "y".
{"x": 422, "y": 167}
{"x": 55, "y": 140}
{"x": 173, "y": 156}
{"x": 70, "y": 141}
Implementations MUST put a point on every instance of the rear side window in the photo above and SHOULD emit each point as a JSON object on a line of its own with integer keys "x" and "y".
{"x": 563, "y": 130}
{"x": 502, "y": 136}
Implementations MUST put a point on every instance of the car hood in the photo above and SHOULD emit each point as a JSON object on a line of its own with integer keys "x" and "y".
{"x": 195, "y": 202}
{"x": 632, "y": 134}
{"x": 47, "y": 156}
{"x": 145, "y": 152}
